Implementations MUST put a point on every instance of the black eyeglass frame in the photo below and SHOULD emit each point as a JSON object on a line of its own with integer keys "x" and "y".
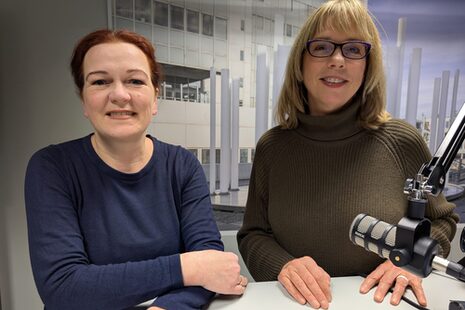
{"x": 340, "y": 45}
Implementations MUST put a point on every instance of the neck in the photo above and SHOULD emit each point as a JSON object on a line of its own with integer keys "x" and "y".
{"x": 125, "y": 156}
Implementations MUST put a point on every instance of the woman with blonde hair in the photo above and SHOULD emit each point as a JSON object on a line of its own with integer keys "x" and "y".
{"x": 336, "y": 153}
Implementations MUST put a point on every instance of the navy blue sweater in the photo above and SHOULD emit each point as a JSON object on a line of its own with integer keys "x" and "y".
{"x": 103, "y": 239}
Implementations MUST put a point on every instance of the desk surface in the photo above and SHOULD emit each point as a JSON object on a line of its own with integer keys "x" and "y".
{"x": 439, "y": 289}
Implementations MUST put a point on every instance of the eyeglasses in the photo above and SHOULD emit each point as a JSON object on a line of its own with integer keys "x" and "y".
{"x": 350, "y": 50}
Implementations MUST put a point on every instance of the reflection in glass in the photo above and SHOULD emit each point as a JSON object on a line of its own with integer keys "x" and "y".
{"x": 207, "y": 25}
{"x": 160, "y": 13}
{"x": 124, "y": 8}
{"x": 193, "y": 21}
{"x": 177, "y": 17}
{"x": 142, "y": 8}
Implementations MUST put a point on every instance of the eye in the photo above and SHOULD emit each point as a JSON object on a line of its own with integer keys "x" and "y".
{"x": 99, "y": 82}
{"x": 354, "y": 49}
{"x": 136, "y": 82}
{"x": 317, "y": 46}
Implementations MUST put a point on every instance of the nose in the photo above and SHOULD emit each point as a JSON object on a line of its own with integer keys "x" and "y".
{"x": 119, "y": 94}
{"x": 337, "y": 60}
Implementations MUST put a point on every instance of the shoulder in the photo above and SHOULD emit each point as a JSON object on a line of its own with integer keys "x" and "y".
{"x": 274, "y": 138}
{"x": 400, "y": 134}
{"x": 404, "y": 142}
{"x": 173, "y": 153}
{"x": 58, "y": 153}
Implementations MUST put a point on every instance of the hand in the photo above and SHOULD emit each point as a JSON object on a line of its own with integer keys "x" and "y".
{"x": 386, "y": 275}
{"x": 214, "y": 270}
{"x": 155, "y": 308}
{"x": 306, "y": 282}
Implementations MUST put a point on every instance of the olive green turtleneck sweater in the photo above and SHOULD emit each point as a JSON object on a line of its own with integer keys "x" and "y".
{"x": 309, "y": 183}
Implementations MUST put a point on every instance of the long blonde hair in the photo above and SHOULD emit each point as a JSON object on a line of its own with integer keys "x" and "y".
{"x": 342, "y": 16}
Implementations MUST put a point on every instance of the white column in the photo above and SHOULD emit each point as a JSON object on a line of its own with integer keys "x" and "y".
{"x": 434, "y": 116}
{"x": 392, "y": 60}
{"x": 402, "y": 25}
{"x": 212, "y": 178}
{"x": 235, "y": 136}
{"x": 225, "y": 133}
{"x": 278, "y": 31}
{"x": 453, "y": 110}
{"x": 280, "y": 62}
{"x": 413, "y": 87}
{"x": 261, "y": 97}
{"x": 443, "y": 105}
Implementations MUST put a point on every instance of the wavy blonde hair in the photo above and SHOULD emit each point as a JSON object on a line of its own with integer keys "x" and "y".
{"x": 341, "y": 16}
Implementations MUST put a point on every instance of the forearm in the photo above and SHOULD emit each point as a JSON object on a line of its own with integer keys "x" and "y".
{"x": 187, "y": 298}
{"x": 263, "y": 256}
{"x": 444, "y": 222}
{"x": 114, "y": 286}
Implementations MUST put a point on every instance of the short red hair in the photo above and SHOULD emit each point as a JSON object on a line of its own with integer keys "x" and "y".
{"x": 108, "y": 36}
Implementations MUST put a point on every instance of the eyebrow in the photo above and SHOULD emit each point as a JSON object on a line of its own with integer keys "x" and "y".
{"x": 329, "y": 39}
{"x": 105, "y": 72}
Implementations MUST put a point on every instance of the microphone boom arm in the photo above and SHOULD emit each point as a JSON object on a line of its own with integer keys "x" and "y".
{"x": 415, "y": 250}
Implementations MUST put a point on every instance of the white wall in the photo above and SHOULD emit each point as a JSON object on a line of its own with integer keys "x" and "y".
{"x": 188, "y": 124}
{"x": 38, "y": 107}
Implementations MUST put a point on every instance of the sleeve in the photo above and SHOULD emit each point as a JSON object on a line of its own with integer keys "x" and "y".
{"x": 199, "y": 232}
{"x": 261, "y": 252}
{"x": 439, "y": 210}
{"x": 64, "y": 275}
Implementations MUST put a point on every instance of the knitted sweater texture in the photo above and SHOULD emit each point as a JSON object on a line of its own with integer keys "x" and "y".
{"x": 309, "y": 183}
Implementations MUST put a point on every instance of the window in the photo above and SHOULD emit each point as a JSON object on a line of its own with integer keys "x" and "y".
{"x": 241, "y": 82}
{"x": 195, "y": 152}
{"x": 220, "y": 28}
{"x": 288, "y": 30}
{"x": 207, "y": 25}
{"x": 242, "y": 55}
{"x": 242, "y": 25}
{"x": 124, "y": 8}
{"x": 252, "y": 155}
{"x": 241, "y": 103}
{"x": 258, "y": 22}
{"x": 218, "y": 156}
{"x": 193, "y": 21}
{"x": 295, "y": 30}
{"x": 160, "y": 13}
{"x": 143, "y": 11}
{"x": 205, "y": 156}
{"x": 243, "y": 156}
{"x": 177, "y": 17}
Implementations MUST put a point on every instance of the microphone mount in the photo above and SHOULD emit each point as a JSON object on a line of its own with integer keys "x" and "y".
{"x": 415, "y": 250}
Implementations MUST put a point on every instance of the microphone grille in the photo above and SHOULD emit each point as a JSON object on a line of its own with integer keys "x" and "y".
{"x": 372, "y": 234}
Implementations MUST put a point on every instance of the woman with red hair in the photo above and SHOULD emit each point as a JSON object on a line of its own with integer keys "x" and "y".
{"x": 118, "y": 217}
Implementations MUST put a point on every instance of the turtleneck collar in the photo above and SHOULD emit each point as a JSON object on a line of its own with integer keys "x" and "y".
{"x": 340, "y": 125}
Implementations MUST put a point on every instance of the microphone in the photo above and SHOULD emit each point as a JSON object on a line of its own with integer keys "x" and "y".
{"x": 380, "y": 237}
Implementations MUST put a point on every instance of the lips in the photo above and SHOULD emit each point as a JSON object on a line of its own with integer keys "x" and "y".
{"x": 120, "y": 114}
{"x": 333, "y": 80}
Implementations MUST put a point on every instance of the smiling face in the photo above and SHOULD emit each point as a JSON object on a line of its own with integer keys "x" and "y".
{"x": 118, "y": 96}
{"x": 331, "y": 81}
